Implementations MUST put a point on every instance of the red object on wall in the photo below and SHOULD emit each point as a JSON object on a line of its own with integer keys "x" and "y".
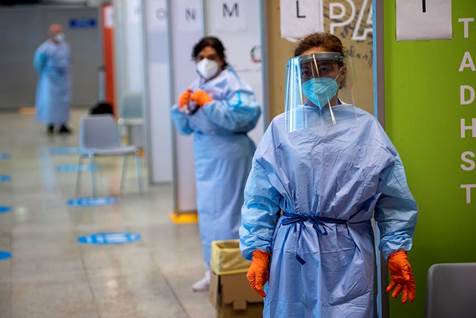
{"x": 108, "y": 51}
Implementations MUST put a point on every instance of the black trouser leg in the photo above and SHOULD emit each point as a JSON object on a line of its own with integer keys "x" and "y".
{"x": 50, "y": 129}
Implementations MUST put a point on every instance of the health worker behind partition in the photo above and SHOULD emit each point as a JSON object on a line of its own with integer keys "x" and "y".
{"x": 219, "y": 109}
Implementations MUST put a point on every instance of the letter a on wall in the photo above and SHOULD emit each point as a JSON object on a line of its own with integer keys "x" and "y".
{"x": 300, "y": 18}
{"x": 229, "y": 15}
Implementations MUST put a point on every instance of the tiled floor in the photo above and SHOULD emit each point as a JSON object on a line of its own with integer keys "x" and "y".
{"x": 50, "y": 275}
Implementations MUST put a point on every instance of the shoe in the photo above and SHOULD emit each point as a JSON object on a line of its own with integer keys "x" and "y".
{"x": 64, "y": 130}
{"x": 50, "y": 130}
{"x": 203, "y": 284}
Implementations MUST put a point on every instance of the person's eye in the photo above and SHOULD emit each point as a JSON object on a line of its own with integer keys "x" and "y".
{"x": 325, "y": 69}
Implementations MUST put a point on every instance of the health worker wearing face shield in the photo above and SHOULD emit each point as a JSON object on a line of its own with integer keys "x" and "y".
{"x": 219, "y": 109}
{"x": 322, "y": 171}
{"x": 52, "y": 62}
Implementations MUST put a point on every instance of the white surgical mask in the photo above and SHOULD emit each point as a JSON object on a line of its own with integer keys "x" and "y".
{"x": 207, "y": 68}
{"x": 59, "y": 37}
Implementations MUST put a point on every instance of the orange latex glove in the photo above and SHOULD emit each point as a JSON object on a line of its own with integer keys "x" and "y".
{"x": 401, "y": 276}
{"x": 184, "y": 99}
{"x": 258, "y": 272}
{"x": 201, "y": 97}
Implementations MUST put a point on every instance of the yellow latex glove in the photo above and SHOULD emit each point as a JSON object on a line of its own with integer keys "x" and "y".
{"x": 401, "y": 276}
{"x": 201, "y": 97}
{"x": 258, "y": 272}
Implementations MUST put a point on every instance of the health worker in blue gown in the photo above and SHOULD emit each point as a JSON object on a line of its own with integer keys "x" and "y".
{"x": 219, "y": 109}
{"x": 52, "y": 62}
{"x": 322, "y": 171}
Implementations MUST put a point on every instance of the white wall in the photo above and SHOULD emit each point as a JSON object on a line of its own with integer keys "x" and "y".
{"x": 158, "y": 89}
{"x": 187, "y": 29}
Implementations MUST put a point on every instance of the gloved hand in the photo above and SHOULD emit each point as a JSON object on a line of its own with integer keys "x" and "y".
{"x": 401, "y": 276}
{"x": 184, "y": 99}
{"x": 258, "y": 272}
{"x": 201, "y": 97}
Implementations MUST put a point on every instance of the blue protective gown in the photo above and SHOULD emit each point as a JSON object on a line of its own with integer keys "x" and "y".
{"x": 52, "y": 62}
{"x": 346, "y": 172}
{"x": 223, "y": 153}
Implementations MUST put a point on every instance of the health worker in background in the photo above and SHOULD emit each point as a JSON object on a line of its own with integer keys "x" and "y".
{"x": 322, "y": 171}
{"x": 219, "y": 109}
{"x": 52, "y": 61}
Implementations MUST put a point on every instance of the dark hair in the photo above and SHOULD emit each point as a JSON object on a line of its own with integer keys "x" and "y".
{"x": 213, "y": 42}
{"x": 322, "y": 39}
{"x": 101, "y": 108}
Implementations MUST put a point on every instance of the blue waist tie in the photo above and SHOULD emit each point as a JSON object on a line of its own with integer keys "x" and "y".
{"x": 319, "y": 223}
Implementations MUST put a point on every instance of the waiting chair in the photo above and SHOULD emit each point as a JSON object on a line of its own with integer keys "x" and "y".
{"x": 99, "y": 137}
{"x": 451, "y": 291}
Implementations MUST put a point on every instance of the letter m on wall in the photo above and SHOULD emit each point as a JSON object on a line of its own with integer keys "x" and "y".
{"x": 231, "y": 10}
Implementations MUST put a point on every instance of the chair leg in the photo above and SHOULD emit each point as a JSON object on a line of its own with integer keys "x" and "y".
{"x": 78, "y": 177}
{"x": 139, "y": 173}
{"x": 123, "y": 175}
{"x": 92, "y": 164}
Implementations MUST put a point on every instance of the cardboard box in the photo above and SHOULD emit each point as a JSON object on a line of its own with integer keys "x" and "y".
{"x": 233, "y": 297}
{"x": 252, "y": 311}
{"x": 226, "y": 258}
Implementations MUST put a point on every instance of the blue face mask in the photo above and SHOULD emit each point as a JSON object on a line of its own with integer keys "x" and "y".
{"x": 320, "y": 90}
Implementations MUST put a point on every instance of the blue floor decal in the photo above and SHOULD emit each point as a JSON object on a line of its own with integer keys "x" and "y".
{"x": 5, "y": 209}
{"x": 90, "y": 201}
{"x": 73, "y": 167}
{"x": 5, "y": 156}
{"x": 64, "y": 151}
{"x": 4, "y": 255}
{"x": 107, "y": 238}
{"x": 4, "y": 178}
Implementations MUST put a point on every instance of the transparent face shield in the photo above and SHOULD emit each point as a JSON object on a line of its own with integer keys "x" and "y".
{"x": 318, "y": 91}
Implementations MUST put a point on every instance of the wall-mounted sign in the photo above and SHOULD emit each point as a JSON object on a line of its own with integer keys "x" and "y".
{"x": 157, "y": 15}
{"x": 300, "y": 18}
{"x": 424, "y": 19}
{"x": 83, "y": 23}
{"x": 189, "y": 15}
{"x": 229, "y": 15}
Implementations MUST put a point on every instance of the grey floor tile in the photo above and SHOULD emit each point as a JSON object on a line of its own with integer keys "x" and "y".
{"x": 53, "y": 300}
{"x": 52, "y": 276}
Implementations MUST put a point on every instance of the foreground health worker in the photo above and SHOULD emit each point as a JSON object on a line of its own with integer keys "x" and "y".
{"x": 322, "y": 170}
{"x": 52, "y": 62}
{"x": 219, "y": 109}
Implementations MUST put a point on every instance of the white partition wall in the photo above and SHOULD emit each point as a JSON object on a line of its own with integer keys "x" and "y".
{"x": 238, "y": 24}
{"x": 158, "y": 97}
{"x": 187, "y": 29}
{"x": 129, "y": 51}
